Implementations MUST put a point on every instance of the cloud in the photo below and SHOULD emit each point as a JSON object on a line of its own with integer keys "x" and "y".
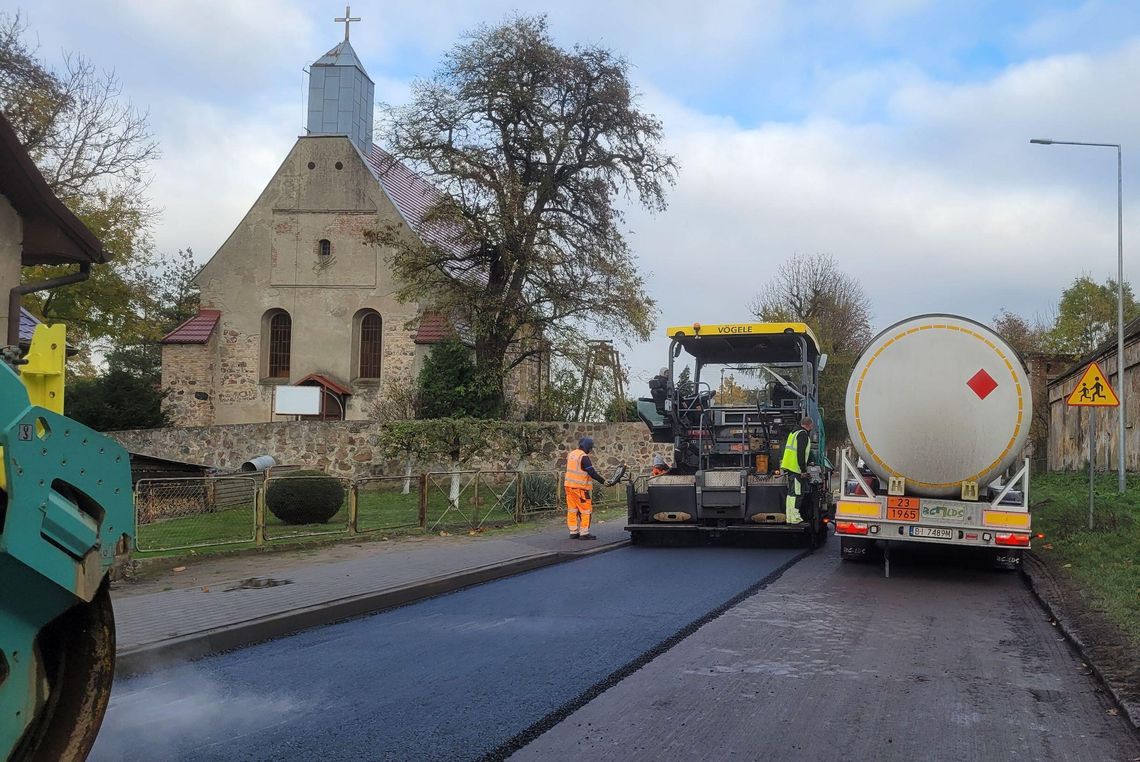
{"x": 892, "y": 134}
{"x": 941, "y": 206}
{"x": 215, "y": 163}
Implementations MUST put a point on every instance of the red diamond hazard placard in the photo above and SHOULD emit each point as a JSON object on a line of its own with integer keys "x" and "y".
{"x": 1093, "y": 390}
{"x": 982, "y": 383}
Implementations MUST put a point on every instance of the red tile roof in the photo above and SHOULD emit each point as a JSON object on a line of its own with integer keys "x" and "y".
{"x": 328, "y": 383}
{"x": 433, "y": 329}
{"x": 196, "y": 330}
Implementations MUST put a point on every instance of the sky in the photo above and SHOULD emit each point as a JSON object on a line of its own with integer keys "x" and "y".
{"x": 892, "y": 135}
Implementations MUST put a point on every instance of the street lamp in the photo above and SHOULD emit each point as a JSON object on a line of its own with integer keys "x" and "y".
{"x": 1119, "y": 290}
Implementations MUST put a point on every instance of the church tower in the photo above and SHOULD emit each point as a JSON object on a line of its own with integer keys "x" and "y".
{"x": 340, "y": 94}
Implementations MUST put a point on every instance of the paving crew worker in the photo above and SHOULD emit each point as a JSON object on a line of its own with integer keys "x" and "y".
{"x": 579, "y": 472}
{"x": 797, "y": 455}
{"x": 660, "y": 467}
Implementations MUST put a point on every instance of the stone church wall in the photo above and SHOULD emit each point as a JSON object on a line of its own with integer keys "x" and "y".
{"x": 351, "y": 448}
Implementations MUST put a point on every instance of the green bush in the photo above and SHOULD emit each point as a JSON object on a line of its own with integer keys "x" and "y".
{"x": 305, "y": 497}
{"x": 540, "y": 492}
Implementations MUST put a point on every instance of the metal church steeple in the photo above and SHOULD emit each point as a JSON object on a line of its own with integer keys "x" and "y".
{"x": 341, "y": 93}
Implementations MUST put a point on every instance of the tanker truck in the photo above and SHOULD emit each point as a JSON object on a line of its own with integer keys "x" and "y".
{"x": 938, "y": 411}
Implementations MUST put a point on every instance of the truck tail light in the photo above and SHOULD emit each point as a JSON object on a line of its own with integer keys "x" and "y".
{"x": 1006, "y": 538}
{"x": 850, "y": 527}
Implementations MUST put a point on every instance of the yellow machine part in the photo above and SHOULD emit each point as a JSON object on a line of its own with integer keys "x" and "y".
{"x": 43, "y": 373}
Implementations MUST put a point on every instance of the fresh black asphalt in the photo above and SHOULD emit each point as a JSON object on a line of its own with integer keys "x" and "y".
{"x": 455, "y": 677}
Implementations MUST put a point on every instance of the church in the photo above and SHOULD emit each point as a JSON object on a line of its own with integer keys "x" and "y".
{"x": 295, "y": 296}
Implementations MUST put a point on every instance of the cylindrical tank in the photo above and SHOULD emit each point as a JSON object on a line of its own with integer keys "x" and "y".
{"x": 939, "y": 400}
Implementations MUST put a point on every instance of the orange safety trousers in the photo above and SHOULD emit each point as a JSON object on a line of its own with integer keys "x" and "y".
{"x": 578, "y": 510}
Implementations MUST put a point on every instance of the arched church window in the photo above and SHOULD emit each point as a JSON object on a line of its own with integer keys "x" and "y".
{"x": 280, "y": 343}
{"x": 370, "y": 332}
{"x": 324, "y": 247}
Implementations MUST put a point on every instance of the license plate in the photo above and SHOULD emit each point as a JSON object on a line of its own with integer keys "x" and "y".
{"x": 935, "y": 532}
{"x": 903, "y": 508}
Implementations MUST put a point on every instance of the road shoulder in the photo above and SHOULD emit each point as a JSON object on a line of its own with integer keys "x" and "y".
{"x": 1106, "y": 649}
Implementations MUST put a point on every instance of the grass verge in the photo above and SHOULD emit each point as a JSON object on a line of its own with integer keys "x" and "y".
{"x": 1103, "y": 561}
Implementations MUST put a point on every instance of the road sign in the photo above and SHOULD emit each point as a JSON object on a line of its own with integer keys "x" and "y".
{"x": 1093, "y": 390}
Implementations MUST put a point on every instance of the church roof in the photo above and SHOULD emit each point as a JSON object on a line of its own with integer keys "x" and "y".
{"x": 414, "y": 197}
{"x": 341, "y": 55}
{"x": 196, "y": 330}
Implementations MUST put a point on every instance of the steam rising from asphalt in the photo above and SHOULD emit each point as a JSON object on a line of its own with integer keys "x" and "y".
{"x": 188, "y": 714}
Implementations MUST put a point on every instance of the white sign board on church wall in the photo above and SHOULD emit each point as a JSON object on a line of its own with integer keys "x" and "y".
{"x": 297, "y": 400}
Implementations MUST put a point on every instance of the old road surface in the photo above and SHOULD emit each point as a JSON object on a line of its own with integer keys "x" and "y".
{"x": 829, "y": 662}
{"x": 453, "y": 677}
{"x": 834, "y": 662}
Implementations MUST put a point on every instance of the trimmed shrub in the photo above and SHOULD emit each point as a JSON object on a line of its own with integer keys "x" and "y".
{"x": 305, "y": 497}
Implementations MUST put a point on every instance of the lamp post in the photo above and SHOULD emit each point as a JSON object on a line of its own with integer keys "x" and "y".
{"x": 1120, "y": 392}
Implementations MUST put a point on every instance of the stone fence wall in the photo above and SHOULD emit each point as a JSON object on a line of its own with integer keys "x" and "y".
{"x": 352, "y": 448}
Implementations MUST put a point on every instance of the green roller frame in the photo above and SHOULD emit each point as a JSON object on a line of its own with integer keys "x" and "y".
{"x": 65, "y": 504}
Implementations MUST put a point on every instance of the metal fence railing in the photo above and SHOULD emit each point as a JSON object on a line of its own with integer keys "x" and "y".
{"x": 451, "y": 500}
{"x": 282, "y": 505}
{"x": 194, "y": 512}
{"x": 496, "y": 499}
{"x": 384, "y": 503}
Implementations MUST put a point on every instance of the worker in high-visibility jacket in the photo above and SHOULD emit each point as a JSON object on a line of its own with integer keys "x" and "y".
{"x": 579, "y": 472}
{"x": 660, "y": 467}
{"x": 797, "y": 455}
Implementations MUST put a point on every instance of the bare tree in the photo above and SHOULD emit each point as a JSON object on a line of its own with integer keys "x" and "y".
{"x": 531, "y": 147}
{"x": 74, "y": 123}
{"x": 812, "y": 289}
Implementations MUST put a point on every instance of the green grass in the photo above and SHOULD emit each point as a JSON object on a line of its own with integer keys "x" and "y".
{"x": 232, "y": 525}
{"x": 1104, "y": 561}
{"x": 381, "y": 507}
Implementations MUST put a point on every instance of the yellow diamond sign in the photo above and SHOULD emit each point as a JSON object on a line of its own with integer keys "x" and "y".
{"x": 1093, "y": 390}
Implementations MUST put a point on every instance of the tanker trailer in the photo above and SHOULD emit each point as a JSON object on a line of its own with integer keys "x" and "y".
{"x": 939, "y": 408}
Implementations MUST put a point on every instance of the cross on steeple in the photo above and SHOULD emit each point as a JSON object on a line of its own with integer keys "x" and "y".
{"x": 348, "y": 19}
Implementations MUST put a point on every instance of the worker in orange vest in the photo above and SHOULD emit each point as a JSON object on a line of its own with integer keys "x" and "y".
{"x": 579, "y": 472}
{"x": 660, "y": 467}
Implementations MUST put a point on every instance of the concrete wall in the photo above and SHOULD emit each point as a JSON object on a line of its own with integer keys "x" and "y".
{"x": 11, "y": 243}
{"x": 1068, "y": 426}
{"x": 271, "y": 261}
{"x": 350, "y": 448}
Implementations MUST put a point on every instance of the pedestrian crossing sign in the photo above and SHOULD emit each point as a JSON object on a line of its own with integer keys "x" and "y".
{"x": 1093, "y": 390}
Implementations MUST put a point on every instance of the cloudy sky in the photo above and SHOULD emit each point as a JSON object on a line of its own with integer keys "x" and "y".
{"x": 891, "y": 134}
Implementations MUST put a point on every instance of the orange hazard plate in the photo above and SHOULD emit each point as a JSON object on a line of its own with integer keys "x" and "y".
{"x": 902, "y": 508}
